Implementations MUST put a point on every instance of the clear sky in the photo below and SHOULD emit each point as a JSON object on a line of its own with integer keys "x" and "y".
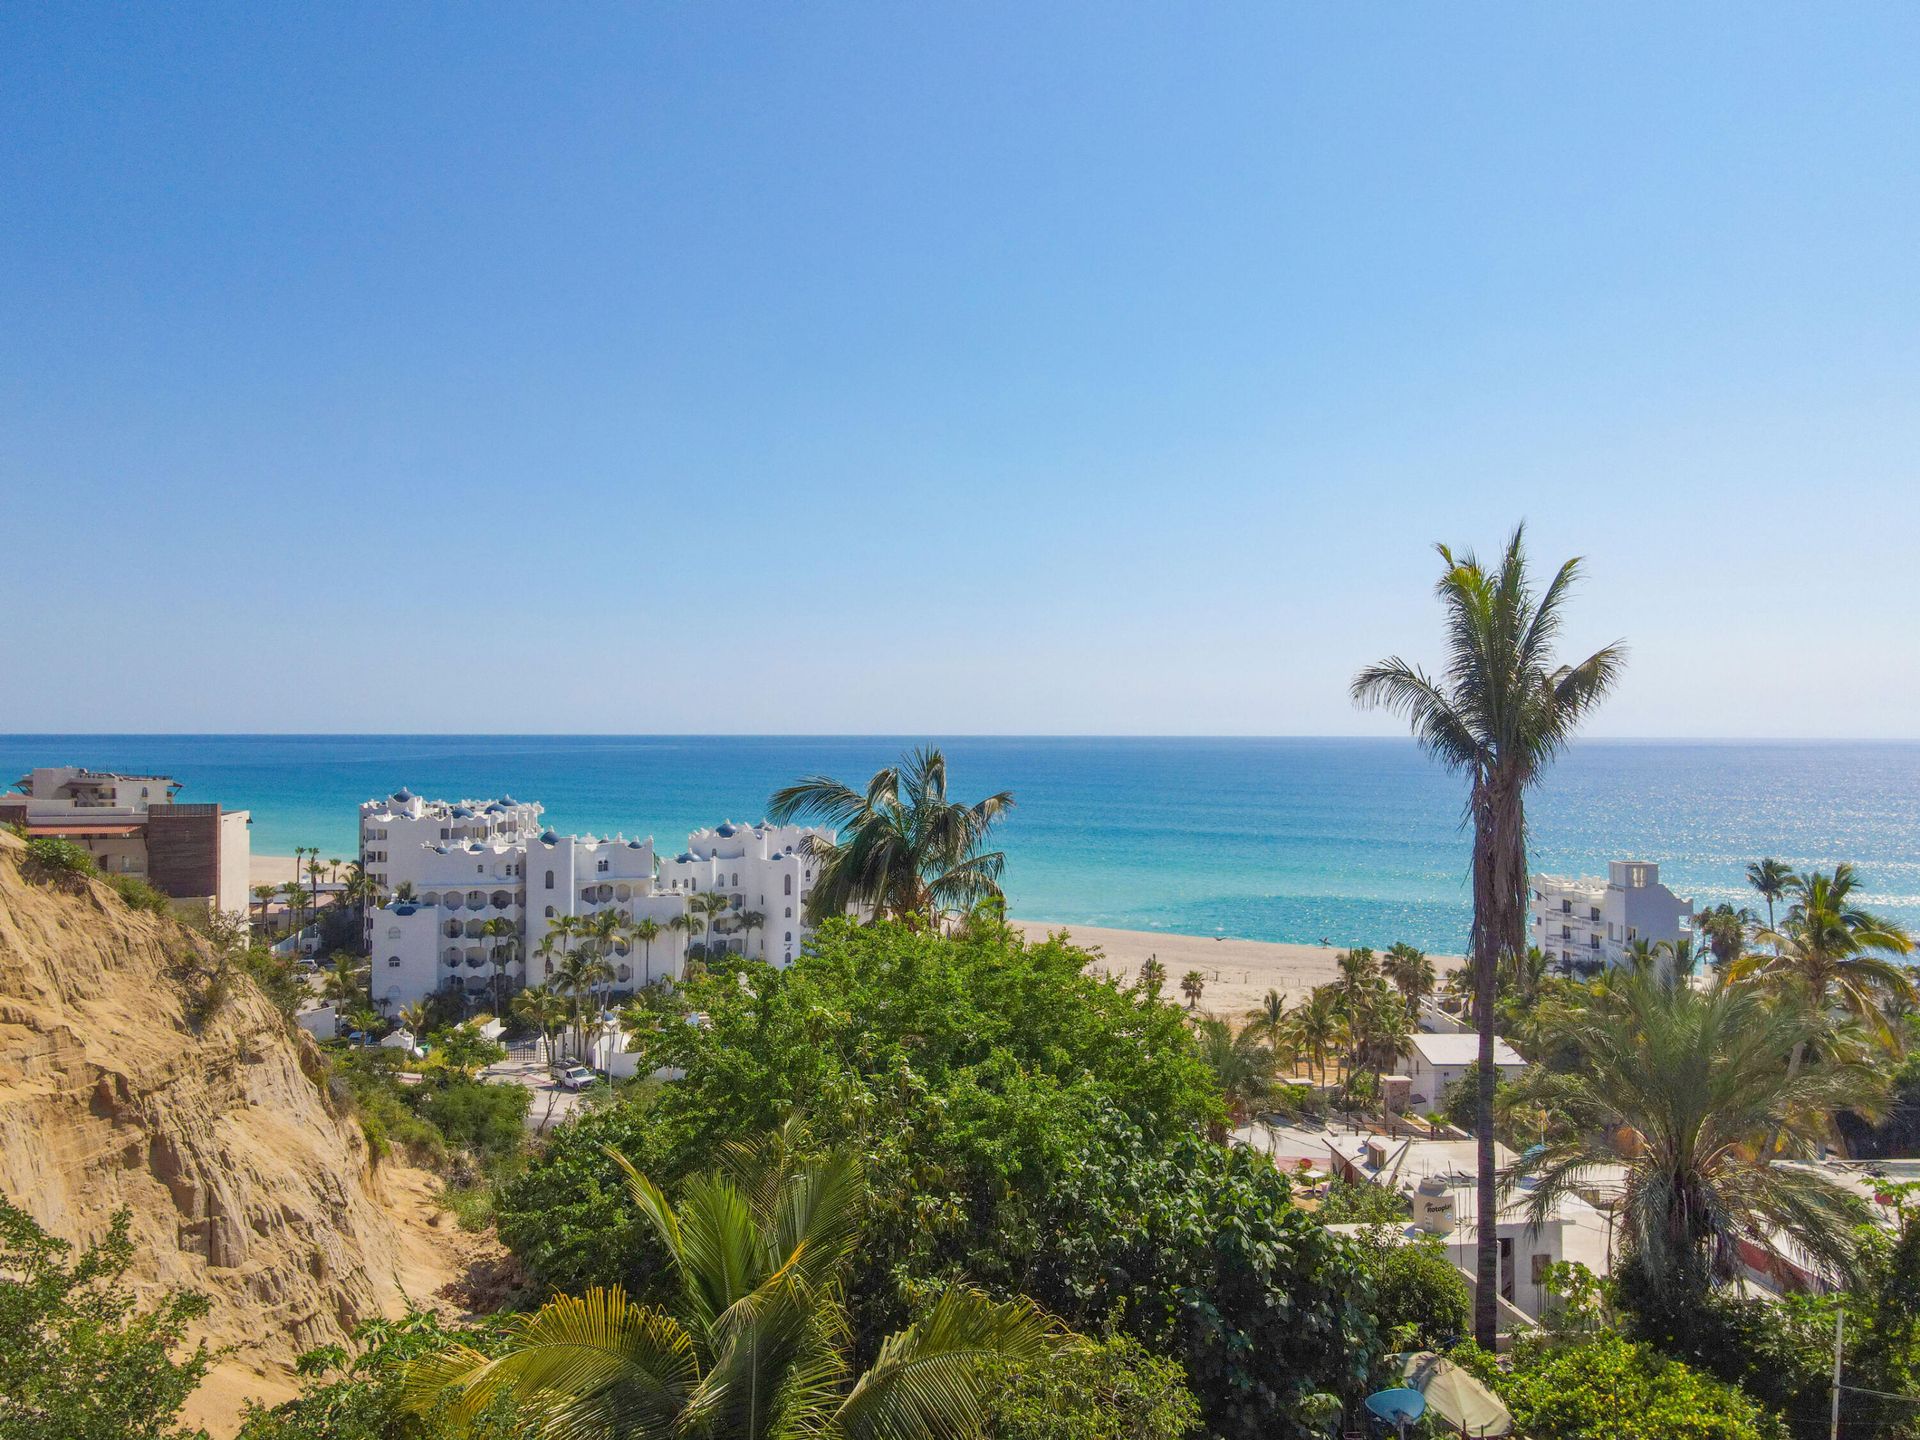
{"x": 967, "y": 368}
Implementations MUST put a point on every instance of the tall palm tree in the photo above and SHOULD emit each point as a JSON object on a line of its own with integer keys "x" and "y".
{"x": 1411, "y": 972}
{"x": 1503, "y": 709}
{"x": 1769, "y": 877}
{"x": 1316, "y": 1027}
{"x": 646, "y": 931}
{"x": 1725, "y": 931}
{"x": 686, "y": 922}
{"x": 1356, "y": 972}
{"x": 547, "y": 1011}
{"x": 314, "y": 872}
{"x": 1701, "y": 1077}
{"x": 413, "y": 1017}
{"x": 904, "y": 849}
{"x": 577, "y": 976}
{"x": 751, "y": 921}
{"x": 496, "y": 930}
{"x": 1193, "y": 985}
{"x": 263, "y": 894}
{"x": 296, "y": 897}
{"x": 1268, "y": 1019}
{"x": 1243, "y": 1064}
{"x": 756, "y": 1345}
{"x": 1831, "y": 953}
{"x": 707, "y": 907}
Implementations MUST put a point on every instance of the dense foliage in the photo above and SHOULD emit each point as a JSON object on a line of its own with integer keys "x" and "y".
{"x": 1604, "y": 1387}
{"x": 80, "y": 1357}
{"x": 1022, "y": 1125}
{"x": 1420, "y": 1300}
{"x": 1113, "y": 1389}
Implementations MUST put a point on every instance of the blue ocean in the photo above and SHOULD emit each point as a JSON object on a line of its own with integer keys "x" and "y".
{"x": 1357, "y": 841}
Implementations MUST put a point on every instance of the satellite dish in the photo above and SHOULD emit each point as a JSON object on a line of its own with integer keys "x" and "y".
{"x": 1399, "y": 1407}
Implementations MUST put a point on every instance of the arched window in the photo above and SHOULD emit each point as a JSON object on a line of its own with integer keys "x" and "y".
{"x": 549, "y": 879}
{"x": 789, "y": 884}
{"x": 549, "y": 912}
{"x": 789, "y": 937}
{"x": 393, "y": 962}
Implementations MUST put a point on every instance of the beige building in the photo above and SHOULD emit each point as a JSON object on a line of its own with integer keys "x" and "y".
{"x": 133, "y": 825}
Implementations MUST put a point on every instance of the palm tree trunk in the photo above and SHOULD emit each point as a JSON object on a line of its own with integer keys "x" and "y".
{"x": 1499, "y": 887}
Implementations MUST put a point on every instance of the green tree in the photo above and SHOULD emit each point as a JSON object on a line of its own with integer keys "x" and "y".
{"x": 1503, "y": 710}
{"x": 466, "y": 1052}
{"x": 546, "y": 1011}
{"x": 1769, "y": 879}
{"x": 1316, "y": 1028}
{"x": 61, "y": 863}
{"x": 1114, "y": 1389}
{"x": 754, "y": 1345}
{"x": 1608, "y": 1388}
{"x": 1419, "y": 1299}
{"x": 1193, "y": 985}
{"x": 500, "y": 934}
{"x": 487, "y": 1119}
{"x": 1244, "y": 1066}
{"x": 903, "y": 848}
{"x": 645, "y": 931}
{"x": 1268, "y": 1020}
{"x": 1410, "y": 972}
{"x": 81, "y": 1358}
{"x": 1703, "y": 1078}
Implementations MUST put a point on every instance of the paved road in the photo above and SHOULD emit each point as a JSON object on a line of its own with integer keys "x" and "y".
{"x": 552, "y": 1102}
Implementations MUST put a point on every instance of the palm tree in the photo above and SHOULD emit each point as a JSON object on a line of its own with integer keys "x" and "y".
{"x": 1268, "y": 1019}
{"x": 1500, "y": 714}
{"x": 1770, "y": 878}
{"x": 496, "y": 929}
{"x": 403, "y": 892}
{"x": 296, "y": 898}
{"x": 576, "y": 976}
{"x": 1193, "y": 985}
{"x": 1358, "y": 971}
{"x": 686, "y": 923}
{"x": 1411, "y": 972}
{"x": 547, "y": 1011}
{"x": 1830, "y": 955}
{"x": 264, "y": 895}
{"x": 646, "y": 931}
{"x": 707, "y": 906}
{"x": 756, "y": 1344}
{"x": 413, "y": 1017}
{"x": 314, "y": 871}
{"x": 1316, "y": 1027}
{"x": 905, "y": 849}
{"x": 1725, "y": 931}
{"x": 1243, "y": 1065}
{"x": 1153, "y": 975}
{"x": 1701, "y": 1078}
{"x": 751, "y": 921}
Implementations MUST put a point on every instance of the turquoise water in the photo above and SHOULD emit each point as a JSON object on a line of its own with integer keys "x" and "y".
{"x": 1281, "y": 839}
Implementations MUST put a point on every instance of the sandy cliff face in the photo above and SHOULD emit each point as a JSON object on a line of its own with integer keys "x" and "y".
{"x": 245, "y": 1183}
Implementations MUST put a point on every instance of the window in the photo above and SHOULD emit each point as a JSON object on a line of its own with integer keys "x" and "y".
{"x": 480, "y": 869}
{"x": 393, "y": 962}
{"x": 549, "y": 912}
{"x": 393, "y": 932}
{"x": 603, "y": 867}
{"x": 789, "y": 887}
{"x": 1594, "y": 941}
{"x": 1540, "y": 1264}
{"x": 789, "y": 937}
{"x": 1566, "y": 907}
{"x": 736, "y": 877}
{"x": 549, "y": 879}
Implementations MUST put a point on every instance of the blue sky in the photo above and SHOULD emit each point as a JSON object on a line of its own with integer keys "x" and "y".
{"x": 881, "y": 368}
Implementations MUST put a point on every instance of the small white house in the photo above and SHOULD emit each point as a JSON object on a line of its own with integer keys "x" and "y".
{"x": 1438, "y": 1061}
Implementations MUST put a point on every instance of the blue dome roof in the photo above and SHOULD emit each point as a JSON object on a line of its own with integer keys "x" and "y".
{"x": 508, "y": 800}
{"x": 403, "y": 795}
{"x": 685, "y": 856}
{"x": 549, "y": 838}
{"x": 725, "y": 830}
{"x": 460, "y": 812}
{"x": 634, "y": 845}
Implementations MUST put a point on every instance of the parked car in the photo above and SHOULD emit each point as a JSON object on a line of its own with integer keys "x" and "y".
{"x": 578, "y": 1077}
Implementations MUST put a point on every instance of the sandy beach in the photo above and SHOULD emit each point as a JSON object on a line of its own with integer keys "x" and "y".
{"x": 1239, "y": 972}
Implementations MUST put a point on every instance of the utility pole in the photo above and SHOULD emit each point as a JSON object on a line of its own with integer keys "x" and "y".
{"x": 1839, "y": 1334}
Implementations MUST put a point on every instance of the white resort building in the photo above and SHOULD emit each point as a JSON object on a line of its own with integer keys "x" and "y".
{"x": 471, "y": 889}
{"x": 1589, "y": 923}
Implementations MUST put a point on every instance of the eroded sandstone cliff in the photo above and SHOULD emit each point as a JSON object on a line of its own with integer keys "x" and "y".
{"x": 122, "y": 1085}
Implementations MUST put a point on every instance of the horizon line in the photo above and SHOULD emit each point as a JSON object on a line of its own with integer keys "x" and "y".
{"x": 902, "y": 735}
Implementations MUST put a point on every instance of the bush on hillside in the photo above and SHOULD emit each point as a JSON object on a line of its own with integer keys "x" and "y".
{"x": 53, "y": 861}
{"x": 81, "y": 1357}
{"x": 139, "y": 895}
{"x": 1421, "y": 1301}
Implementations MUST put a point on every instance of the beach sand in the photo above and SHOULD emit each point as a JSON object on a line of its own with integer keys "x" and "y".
{"x": 1238, "y": 972}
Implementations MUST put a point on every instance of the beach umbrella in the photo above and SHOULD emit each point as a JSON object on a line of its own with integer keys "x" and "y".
{"x": 1398, "y": 1407}
{"x": 1454, "y": 1395}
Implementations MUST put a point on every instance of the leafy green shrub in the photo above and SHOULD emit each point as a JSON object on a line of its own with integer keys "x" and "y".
{"x": 53, "y": 861}
{"x": 488, "y": 1119}
{"x": 1197, "y": 1251}
{"x": 80, "y": 1357}
{"x": 1350, "y": 1202}
{"x": 139, "y": 895}
{"x": 1421, "y": 1301}
{"x": 1609, "y": 1388}
{"x": 1112, "y": 1389}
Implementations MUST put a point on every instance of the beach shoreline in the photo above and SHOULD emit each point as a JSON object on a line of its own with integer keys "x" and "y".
{"x": 1238, "y": 973}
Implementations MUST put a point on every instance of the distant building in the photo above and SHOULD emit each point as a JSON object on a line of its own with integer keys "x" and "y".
{"x": 1439, "y": 1061}
{"x": 1588, "y": 924}
{"x": 132, "y": 825}
{"x": 446, "y": 868}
